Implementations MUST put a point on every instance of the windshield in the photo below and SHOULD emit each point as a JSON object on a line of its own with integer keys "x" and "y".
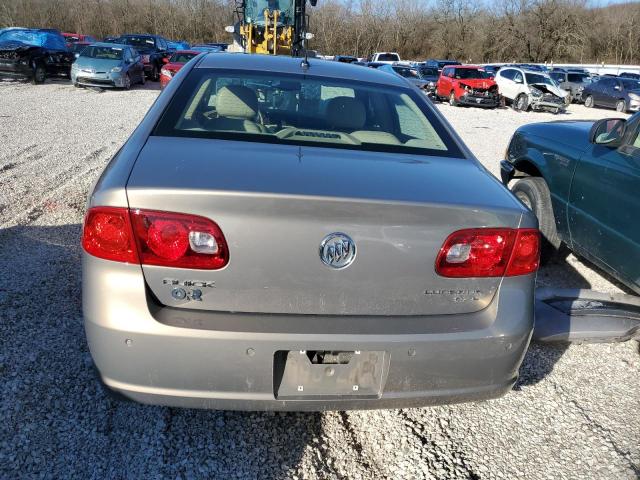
{"x": 102, "y": 53}
{"x": 181, "y": 57}
{"x": 533, "y": 78}
{"x": 630, "y": 84}
{"x": 470, "y": 73}
{"x": 254, "y": 11}
{"x": 303, "y": 110}
{"x": 406, "y": 72}
{"x": 141, "y": 42}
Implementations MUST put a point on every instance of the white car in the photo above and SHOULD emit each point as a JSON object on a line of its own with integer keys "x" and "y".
{"x": 526, "y": 89}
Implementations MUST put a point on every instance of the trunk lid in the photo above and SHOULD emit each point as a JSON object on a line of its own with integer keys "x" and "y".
{"x": 276, "y": 203}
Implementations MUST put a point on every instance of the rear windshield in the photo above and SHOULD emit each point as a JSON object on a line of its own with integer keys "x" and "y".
{"x": 388, "y": 57}
{"x": 429, "y": 71}
{"x": 103, "y": 53}
{"x": 181, "y": 57}
{"x": 303, "y": 110}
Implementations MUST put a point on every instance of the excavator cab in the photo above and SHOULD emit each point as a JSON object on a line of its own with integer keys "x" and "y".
{"x": 272, "y": 27}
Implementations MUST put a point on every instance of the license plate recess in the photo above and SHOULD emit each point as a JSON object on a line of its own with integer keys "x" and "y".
{"x": 324, "y": 375}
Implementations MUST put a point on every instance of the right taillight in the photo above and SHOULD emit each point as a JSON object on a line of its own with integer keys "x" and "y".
{"x": 154, "y": 238}
{"x": 489, "y": 252}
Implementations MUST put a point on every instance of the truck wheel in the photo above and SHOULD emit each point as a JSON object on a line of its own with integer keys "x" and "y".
{"x": 39, "y": 74}
{"x": 534, "y": 193}
{"x": 621, "y": 106}
{"x": 521, "y": 103}
{"x": 452, "y": 99}
{"x": 588, "y": 102}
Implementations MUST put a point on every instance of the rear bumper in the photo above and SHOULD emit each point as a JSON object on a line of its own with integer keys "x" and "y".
{"x": 158, "y": 355}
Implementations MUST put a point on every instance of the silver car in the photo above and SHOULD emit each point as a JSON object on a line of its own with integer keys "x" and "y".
{"x": 289, "y": 236}
{"x": 107, "y": 65}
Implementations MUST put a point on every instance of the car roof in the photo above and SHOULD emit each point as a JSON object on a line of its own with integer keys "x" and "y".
{"x": 474, "y": 67}
{"x": 110, "y": 45}
{"x": 289, "y": 65}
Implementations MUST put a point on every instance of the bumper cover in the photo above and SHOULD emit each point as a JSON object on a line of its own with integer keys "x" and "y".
{"x": 108, "y": 80}
{"x": 187, "y": 358}
{"x": 479, "y": 100}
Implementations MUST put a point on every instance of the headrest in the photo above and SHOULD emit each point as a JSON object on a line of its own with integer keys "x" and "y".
{"x": 236, "y": 101}
{"x": 346, "y": 113}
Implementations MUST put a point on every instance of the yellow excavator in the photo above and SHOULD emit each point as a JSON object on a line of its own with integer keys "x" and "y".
{"x": 271, "y": 27}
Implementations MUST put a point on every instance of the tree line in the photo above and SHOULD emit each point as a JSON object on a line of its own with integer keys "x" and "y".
{"x": 467, "y": 30}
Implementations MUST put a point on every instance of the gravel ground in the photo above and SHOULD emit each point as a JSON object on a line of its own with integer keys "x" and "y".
{"x": 575, "y": 412}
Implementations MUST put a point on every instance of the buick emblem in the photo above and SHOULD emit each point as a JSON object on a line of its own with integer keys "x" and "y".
{"x": 337, "y": 250}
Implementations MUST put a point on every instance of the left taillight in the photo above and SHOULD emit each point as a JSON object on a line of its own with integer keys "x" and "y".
{"x": 155, "y": 238}
{"x": 107, "y": 234}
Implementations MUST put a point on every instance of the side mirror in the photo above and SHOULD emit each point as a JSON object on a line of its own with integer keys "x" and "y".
{"x": 608, "y": 132}
{"x": 616, "y": 87}
{"x": 517, "y": 80}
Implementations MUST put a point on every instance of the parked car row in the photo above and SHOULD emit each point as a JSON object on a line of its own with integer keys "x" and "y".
{"x": 119, "y": 62}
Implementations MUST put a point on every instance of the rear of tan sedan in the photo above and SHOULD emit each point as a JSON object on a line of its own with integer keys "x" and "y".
{"x": 287, "y": 275}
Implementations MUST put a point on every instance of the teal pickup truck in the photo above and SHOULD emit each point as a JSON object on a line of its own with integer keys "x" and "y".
{"x": 582, "y": 180}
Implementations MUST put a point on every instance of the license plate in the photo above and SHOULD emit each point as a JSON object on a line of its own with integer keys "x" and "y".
{"x": 296, "y": 376}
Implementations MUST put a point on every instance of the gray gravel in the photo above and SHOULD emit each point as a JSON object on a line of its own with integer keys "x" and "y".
{"x": 574, "y": 414}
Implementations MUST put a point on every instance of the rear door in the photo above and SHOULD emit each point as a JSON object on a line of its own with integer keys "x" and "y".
{"x": 604, "y": 218}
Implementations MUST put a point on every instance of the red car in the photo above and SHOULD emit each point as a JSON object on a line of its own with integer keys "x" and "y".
{"x": 72, "y": 38}
{"x": 468, "y": 85}
{"x": 174, "y": 64}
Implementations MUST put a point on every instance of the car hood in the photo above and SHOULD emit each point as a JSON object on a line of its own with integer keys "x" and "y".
{"x": 13, "y": 45}
{"x": 480, "y": 83}
{"x": 418, "y": 81}
{"x": 551, "y": 89}
{"x": 573, "y": 133}
{"x": 101, "y": 65}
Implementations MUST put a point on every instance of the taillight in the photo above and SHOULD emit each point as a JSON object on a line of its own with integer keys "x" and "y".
{"x": 179, "y": 240}
{"x": 489, "y": 252}
{"x": 155, "y": 238}
{"x": 107, "y": 234}
{"x": 166, "y": 72}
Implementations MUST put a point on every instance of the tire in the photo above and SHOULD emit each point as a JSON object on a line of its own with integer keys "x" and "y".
{"x": 621, "y": 106}
{"x": 521, "y": 103}
{"x": 143, "y": 78}
{"x": 588, "y": 101}
{"x": 534, "y": 193}
{"x": 155, "y": 74}
{"x": 39, "y": 74}
{"x": 452, "y": 99}
{"x": 127, "y": 82}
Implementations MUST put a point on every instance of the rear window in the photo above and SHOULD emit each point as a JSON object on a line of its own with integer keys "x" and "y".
{"x": 304, "y": 110}
{"x": 388, "y": 57}
{"x": 470, "y": 73}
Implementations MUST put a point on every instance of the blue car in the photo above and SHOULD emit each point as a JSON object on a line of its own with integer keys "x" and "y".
{"x": 107, "y": 65}
{"x": 178, "y": 45}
